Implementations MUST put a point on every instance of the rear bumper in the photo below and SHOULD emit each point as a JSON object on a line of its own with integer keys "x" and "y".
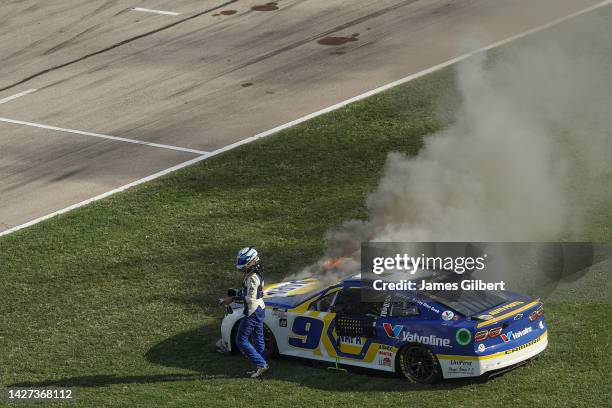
{"x": 516, "y": 355}
{"x": 468, "y": 366}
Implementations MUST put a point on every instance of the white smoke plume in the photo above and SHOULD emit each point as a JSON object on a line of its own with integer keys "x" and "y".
{"x": 527, "y": 157}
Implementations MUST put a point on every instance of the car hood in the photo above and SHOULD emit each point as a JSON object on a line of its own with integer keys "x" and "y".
{"x": 291, "y": 293}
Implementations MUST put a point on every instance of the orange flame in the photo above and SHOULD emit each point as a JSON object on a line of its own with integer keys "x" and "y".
{"x": 332, "y": 263}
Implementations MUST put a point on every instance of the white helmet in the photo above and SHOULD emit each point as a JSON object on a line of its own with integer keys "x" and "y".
{"x": 247, "y": 258}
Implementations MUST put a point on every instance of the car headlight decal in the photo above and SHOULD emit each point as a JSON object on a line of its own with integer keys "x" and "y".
{"x": 539, "y": 312}
{"x": 488, "y": 334}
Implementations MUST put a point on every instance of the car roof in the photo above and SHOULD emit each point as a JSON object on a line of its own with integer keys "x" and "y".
{"x": 467, "y": 303}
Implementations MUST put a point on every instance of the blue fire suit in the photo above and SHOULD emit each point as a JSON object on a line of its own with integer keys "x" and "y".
{"x": 251, "y": 325}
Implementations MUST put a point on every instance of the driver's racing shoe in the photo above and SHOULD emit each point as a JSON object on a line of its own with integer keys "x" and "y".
{"x": 259, "y": 371}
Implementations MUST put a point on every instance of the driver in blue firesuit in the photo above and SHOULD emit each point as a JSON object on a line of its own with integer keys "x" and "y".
{"x": 251, "y": 325}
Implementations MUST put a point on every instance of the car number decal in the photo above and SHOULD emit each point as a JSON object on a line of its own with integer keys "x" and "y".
{"x": 307, "y": 332}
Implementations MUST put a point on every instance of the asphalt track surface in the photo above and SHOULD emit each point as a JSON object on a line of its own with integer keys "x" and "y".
{"x": 122, "y": 94}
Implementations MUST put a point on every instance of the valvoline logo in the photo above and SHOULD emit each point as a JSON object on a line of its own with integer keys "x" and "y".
{"x": 515, "y": 335}
{"x": 429, "y": 339}
{"x": 392, "y": 331}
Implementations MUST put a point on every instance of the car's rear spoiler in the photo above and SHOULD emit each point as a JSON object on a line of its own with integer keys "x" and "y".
{"x": 504, "y": 311}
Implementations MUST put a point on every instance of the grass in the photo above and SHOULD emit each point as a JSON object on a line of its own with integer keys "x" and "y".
{"x": 119, "y": 298}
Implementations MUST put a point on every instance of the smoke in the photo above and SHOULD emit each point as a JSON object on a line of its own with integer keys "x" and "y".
{"x": 527, "y": 157}
{"x": 326, "y": 273}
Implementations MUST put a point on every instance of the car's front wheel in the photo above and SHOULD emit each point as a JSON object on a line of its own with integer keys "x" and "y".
{"x": 419, "y": 364}
{"x": 270, "y": 341}
{"x": 271, "y": 348}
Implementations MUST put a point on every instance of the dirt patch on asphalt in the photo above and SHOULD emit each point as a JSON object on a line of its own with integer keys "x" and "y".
{"x": 266, "y": 7}
{"x": 338, "y": 40}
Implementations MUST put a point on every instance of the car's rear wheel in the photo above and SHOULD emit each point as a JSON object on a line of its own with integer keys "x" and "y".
{"x": 419, "y": 364}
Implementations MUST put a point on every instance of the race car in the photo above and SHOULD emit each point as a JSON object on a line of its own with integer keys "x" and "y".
{"x": 426, "y": 336}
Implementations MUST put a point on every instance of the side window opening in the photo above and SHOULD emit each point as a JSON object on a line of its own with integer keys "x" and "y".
{"x": 349, "y": 303}
{"x": 402, "y": 308}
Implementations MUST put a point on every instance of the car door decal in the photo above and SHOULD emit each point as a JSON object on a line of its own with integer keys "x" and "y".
{"x": 331, "y": 337}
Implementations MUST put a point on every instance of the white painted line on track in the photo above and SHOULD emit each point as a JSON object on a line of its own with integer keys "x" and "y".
{"x": 119, "y": 139}
{"x": 19, "y": 95}
{"x": 305, "y": 118}
{"x": 146, "y": 10}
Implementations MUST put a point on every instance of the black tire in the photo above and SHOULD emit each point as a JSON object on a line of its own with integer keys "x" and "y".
{"x": 270, "y": 341}
{"x": 271, "y": 350}
{"x": 235, "y": 349}
{"x": 419, "y": 365}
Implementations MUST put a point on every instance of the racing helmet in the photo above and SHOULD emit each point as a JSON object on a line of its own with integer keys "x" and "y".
{"x": 246, "y": 259}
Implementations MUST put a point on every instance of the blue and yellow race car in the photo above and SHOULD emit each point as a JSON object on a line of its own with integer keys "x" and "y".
{"x": 426, "y": 336}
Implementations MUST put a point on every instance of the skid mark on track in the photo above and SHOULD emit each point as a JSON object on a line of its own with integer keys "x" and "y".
{"x": 71, "y": 40}
{"x": 119, "y": 44}
{"x": 107, "y": 5}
